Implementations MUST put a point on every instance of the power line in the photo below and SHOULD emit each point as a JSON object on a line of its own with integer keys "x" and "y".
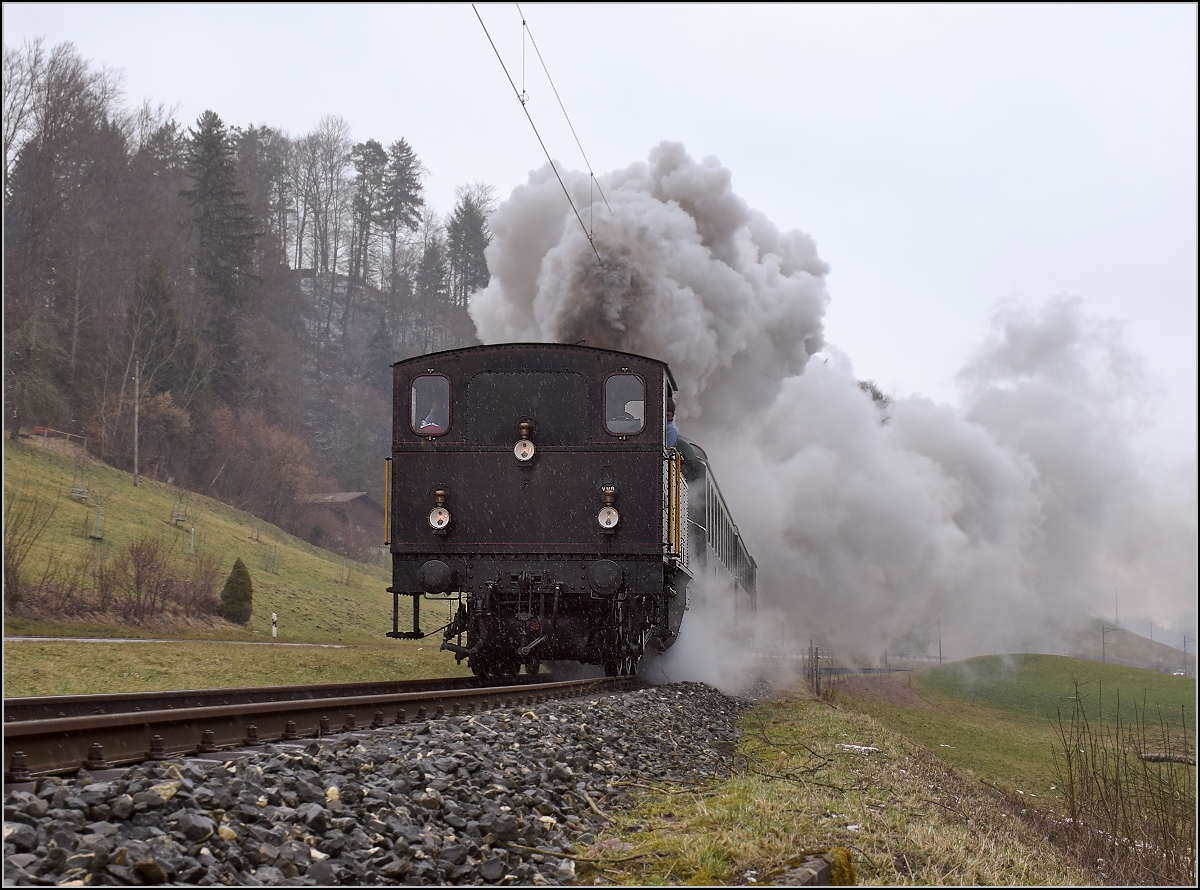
{"x": 591, "y": 173}
{"x": 521, "y": 98}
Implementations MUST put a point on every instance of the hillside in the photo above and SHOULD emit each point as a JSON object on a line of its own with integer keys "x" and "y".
{"x": 1100, "y": 641}
{"x": 317, "y": 595}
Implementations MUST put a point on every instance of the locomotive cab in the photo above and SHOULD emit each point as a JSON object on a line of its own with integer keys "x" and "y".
{"x": 529, "y": 485}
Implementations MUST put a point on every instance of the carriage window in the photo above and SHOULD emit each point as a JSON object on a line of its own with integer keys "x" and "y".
{"x": 624, "y": 404}
{"x": 430, "y": 405}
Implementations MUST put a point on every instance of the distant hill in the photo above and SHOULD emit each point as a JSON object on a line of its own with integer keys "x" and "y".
{"x": 1117, "y": 645}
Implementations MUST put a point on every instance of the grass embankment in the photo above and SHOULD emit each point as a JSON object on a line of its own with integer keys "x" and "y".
{"x": 931, "y": 784}
{"x": 47, "y": 667}
{"x": 319, "y": 596}
{"x": 993, "y": 717}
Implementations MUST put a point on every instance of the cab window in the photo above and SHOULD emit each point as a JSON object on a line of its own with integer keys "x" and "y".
{"x": 624, "y": 404}
{"x": 430, "y": 405}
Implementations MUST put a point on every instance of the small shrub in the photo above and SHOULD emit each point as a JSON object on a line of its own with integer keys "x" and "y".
{"x": 237, "y": 597}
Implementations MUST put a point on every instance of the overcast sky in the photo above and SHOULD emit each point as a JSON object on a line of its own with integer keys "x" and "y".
{"x": 944, "y": 158}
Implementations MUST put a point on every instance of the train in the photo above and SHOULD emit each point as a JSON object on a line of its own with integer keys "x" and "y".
{"x": 530, "y": 485}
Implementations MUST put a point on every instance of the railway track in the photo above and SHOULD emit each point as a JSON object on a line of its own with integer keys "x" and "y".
{"x": 61, "y": 734}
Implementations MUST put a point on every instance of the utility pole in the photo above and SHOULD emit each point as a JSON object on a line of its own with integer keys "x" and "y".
{"x": 1185, "y": 642}
{"x": 939, "y": 641}
{"x": 1104, "y": 632}
{"x": 137, "y": 373}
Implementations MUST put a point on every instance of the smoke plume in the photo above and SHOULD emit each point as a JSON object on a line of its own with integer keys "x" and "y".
{"x": 875, "y": 523}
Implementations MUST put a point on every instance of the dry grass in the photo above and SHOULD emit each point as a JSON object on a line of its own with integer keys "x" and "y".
{"x": 1130, "y": 790}
{"x": 810, "y": 776}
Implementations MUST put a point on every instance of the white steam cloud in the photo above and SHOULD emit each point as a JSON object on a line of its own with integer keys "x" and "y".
{"x": 999, "y": 526}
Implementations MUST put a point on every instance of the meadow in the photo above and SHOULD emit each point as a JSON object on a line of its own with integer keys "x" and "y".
{"x": 316, "y": 595}
{"x": 950, "y": 775}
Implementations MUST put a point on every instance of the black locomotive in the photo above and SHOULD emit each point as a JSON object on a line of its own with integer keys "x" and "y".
{"x": 529, "y": 483}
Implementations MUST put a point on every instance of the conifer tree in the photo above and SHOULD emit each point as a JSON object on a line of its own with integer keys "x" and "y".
{"x": 237, "y": 596}
{"x": 468, "y": 236}
{"x": 401, "y": 203}
{"x": 226, "y": 239}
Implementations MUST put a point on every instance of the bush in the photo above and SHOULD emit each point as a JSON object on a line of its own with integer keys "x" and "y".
{"x": 237, "y": 597}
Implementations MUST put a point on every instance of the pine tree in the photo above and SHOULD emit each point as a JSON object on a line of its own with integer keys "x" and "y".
{"x": 237, "y": 596}
{"x": 401, "y": 203}
{"x": 468, "y": 236}
{"x": 431, "y": 291}
{"x": 225, "y": 250}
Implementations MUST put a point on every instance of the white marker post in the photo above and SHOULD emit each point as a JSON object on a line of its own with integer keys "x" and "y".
{"x": 274, "y": 626}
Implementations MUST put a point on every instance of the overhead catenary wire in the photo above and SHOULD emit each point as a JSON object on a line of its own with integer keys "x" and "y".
{"x": 521, "y": 98}
{"x": 567, "y": 117}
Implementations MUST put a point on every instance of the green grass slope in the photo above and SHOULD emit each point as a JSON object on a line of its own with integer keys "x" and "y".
{"x": 318, "y": 596}
{"x": 997, "y": 716}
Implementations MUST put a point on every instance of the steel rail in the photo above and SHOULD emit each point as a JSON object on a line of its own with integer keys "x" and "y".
{"x": 101, "y": 741}
{"x": 49, "y": 706}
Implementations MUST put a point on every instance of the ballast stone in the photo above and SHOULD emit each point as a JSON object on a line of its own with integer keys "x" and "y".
{"x": 449, "y": 800}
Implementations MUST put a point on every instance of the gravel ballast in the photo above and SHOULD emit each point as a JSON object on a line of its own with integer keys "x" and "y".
{"x": 483, "y": 799}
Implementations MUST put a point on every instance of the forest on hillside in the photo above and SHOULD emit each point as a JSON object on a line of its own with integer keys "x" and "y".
{"x": 240, "y": 291}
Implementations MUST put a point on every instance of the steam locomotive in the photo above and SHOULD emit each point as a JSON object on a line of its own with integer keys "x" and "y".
{"x": 529, "y": 485}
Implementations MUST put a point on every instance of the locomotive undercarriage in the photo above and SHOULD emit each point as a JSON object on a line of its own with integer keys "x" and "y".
{"x": 501, "y": 633}
{"x": 501, "y": 629}
{"x": 524, "y": 616}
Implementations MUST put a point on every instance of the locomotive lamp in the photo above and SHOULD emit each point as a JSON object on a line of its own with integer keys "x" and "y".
{"x": 439, "y": 516}
{"x": 608, "y": 517}
{"x": 523, "y": 449}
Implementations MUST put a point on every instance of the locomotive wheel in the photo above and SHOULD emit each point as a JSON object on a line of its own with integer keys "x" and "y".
{"x": 622, "y": 658}
{"x": 481, "y": 667}
{"x": 494, "y": 667}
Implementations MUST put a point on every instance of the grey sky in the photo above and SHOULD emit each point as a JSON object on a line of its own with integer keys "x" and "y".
{"x": 943, "y": 157}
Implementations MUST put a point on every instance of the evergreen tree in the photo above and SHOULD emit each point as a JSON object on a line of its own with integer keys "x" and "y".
{"x": 432, "y": 294}
{"x": 30, "y": 393}
{"x": 401, "y": 203}
{"x": 370, "y": 164}
{"x": 153, "y": 327}
{"x": 378, "y": 358}
{"x": 262, "y": 167}
{"x": 226, "y": 239}
{"x": 467, "y": 238}
{"x": 237, "y": 596}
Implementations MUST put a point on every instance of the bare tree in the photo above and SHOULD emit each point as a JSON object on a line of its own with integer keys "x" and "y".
{"x": 144, "y": 574}
{"x": 25, "y": 520}
{"x": 325, "y": 158}
{"x": 196, "y": 590}
{"x": 22, "y": 68}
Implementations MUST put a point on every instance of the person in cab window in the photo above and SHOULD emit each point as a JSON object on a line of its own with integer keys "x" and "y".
{"x": 671, "y": 435}
{"x": 437, "y": 420}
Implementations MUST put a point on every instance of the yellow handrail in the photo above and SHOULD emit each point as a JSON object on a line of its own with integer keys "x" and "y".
{"x": 387, "y": 500}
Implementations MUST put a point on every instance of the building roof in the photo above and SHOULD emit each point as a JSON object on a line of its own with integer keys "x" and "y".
{"x": 341, "y": 497}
